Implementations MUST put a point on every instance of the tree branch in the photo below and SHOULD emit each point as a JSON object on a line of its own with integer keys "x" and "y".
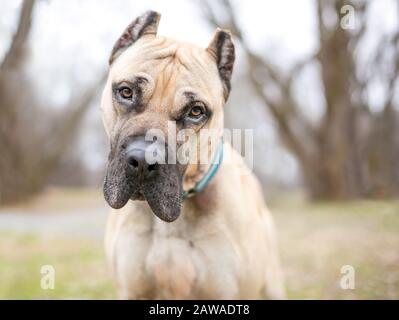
{"x": 67, "y": 127}
{"x": 13, "y": 55}
{"x": 286, "y": 108}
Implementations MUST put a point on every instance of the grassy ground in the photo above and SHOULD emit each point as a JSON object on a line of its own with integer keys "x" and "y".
{"x": 64, "y": 229}
{"x": 79, "y": 265}
{"x": 316, "y": 240}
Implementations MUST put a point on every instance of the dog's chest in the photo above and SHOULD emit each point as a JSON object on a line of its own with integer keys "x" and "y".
{"x": 172, "y": 261}
{"x": 186, "y": 260}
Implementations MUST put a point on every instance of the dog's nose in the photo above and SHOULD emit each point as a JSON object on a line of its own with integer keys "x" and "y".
{"x": 136, "y": 156}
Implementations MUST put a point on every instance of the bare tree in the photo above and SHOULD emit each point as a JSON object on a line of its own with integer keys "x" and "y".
{"x": 352, "y": 151}
{"x": 33, "y": 137}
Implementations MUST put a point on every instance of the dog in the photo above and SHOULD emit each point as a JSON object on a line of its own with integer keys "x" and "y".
{"x": 171, "y": 234}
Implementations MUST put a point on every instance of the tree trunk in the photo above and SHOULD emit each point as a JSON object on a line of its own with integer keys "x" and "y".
{"x": 29, "y": 152}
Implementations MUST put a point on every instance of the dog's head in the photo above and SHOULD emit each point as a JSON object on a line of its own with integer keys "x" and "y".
{"x": 153, "y": 82}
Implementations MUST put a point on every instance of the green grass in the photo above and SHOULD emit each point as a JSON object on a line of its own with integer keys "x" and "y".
{"x": 317, "y": 239}
{"x": 80, "y": 271}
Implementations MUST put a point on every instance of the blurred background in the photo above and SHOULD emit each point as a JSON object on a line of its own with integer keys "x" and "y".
{"x": 316, "y": 80}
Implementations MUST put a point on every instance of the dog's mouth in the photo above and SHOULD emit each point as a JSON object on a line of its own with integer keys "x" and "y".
{"x": 138, "y": 195}
{"x": 162, "y": 189}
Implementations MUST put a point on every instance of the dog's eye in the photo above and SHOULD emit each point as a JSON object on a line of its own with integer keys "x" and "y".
{"x": 196, "y": 112}
{"x": 126, "y": 93}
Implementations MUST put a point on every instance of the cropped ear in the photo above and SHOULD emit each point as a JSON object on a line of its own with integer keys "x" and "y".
{"x": 146, "y": 24}
{"x": 222, "y": 49}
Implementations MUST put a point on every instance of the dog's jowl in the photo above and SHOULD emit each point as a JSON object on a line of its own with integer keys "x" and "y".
{"x": 180, "y": 229}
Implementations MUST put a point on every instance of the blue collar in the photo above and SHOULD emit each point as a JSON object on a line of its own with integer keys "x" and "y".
{"x": 203, "y": 183}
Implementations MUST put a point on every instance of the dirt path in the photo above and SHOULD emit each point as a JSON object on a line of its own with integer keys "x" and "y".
{"x": 85, "y": 223}
{"x": 59, "y": 213}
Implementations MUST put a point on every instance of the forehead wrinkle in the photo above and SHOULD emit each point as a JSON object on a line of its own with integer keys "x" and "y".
{"x": 144, "y": 52}
{"x": 199, "y": 87}
{"x": 194, "y": 58}
{"x": 198, "y": 62}
{"x": 165, "y": 85}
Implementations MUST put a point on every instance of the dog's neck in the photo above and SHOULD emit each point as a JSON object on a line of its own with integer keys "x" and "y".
{"x": 194, "y": 174}
{"x": 199, "y": 176}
